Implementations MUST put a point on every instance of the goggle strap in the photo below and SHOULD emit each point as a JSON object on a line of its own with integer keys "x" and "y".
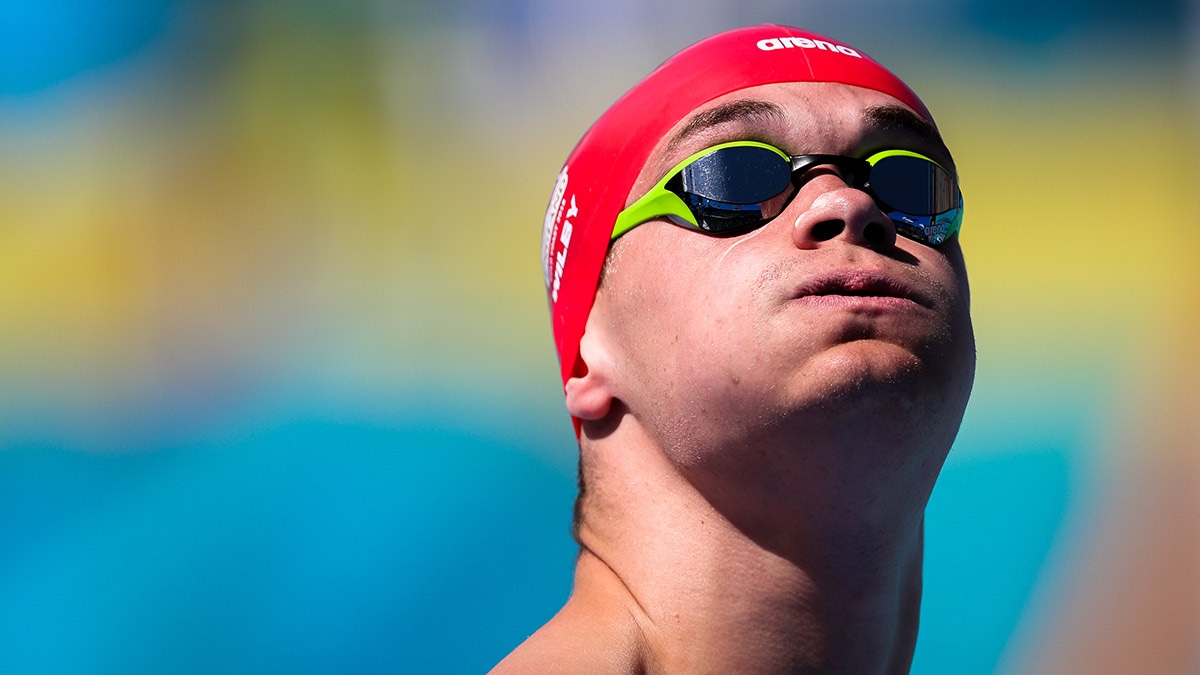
{"x": 655, "y": 204}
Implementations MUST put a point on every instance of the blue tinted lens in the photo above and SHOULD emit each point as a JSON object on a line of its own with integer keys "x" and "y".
{"x": 725, "y": 189}
{"x": 742, "y": 174}
{"x": 913, "y": 185}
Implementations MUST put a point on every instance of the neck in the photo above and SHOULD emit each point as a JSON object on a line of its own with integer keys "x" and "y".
{"x": 803, "y": 591}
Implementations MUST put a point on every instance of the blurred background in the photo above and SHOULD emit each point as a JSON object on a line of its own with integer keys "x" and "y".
{"x": 277, "y": 388}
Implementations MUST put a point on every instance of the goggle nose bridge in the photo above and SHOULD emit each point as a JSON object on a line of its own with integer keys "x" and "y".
{"x": 853, "y": 171}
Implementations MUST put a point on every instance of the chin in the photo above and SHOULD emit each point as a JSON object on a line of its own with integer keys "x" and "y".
{"x": 882, "y": 381}
{"x": 866, "y": 370}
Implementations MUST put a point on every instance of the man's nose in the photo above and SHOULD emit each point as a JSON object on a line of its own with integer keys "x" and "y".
{"x": 836, "y": 211}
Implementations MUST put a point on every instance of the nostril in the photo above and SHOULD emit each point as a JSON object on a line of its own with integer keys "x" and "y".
{"x": 827, "y": 229}
{"x": 876, "y": 234}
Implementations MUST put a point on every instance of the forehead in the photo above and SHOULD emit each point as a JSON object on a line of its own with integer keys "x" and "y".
{"x": 799, "y": 118}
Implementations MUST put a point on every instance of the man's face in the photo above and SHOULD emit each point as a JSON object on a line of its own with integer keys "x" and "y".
{"x": 721, "y": 340}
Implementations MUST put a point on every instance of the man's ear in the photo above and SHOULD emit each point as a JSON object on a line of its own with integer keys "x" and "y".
{"x": 589, "y": 391}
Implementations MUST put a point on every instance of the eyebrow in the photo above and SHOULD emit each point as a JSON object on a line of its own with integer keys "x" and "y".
{"x": 885, "y": 118}
{"x": 743, "y": 110}
{"x": 893, "y": 118}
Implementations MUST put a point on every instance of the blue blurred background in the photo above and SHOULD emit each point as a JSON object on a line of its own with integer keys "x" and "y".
{"x": 277, "y": 388}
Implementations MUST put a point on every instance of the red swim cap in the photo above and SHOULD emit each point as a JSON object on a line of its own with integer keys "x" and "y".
{"x": 594, "y": 184}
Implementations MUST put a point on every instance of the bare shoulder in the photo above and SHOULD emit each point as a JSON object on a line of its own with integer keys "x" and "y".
{"x": 595, "y": 632}
{"x": 566, "y": 646}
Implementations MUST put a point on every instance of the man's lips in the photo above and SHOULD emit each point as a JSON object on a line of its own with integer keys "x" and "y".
{"x": 860, "y": 284}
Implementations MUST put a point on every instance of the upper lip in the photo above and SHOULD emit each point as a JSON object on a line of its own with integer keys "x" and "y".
{"x": 862, "y": 283}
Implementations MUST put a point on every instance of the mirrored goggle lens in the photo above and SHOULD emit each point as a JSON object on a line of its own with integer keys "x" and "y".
{"x": 913, "y": 185}
{"x": 740, "y": 175}
{"x": 730, "y": 189}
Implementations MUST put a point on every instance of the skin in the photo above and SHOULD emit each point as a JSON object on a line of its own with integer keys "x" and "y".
{"x": 764, "y": 417}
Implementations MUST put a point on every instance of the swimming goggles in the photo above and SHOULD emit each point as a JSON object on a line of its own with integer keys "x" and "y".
{"x": 736, "y": 187}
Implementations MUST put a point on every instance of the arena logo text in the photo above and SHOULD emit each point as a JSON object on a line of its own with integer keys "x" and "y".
{"x": 771, "y": 44}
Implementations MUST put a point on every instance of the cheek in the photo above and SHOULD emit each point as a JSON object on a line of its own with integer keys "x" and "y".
{"x": 952, "y": 273}
{"x": 671, "y": 322}
{"x": 949, "y": 273}
{"x": 681, "y": 324}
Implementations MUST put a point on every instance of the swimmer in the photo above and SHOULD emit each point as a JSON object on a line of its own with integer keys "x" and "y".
{"x": 761, "y": 313}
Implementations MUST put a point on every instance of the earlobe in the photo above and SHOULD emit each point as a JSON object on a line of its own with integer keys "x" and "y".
{"x": 589, "y": 394}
